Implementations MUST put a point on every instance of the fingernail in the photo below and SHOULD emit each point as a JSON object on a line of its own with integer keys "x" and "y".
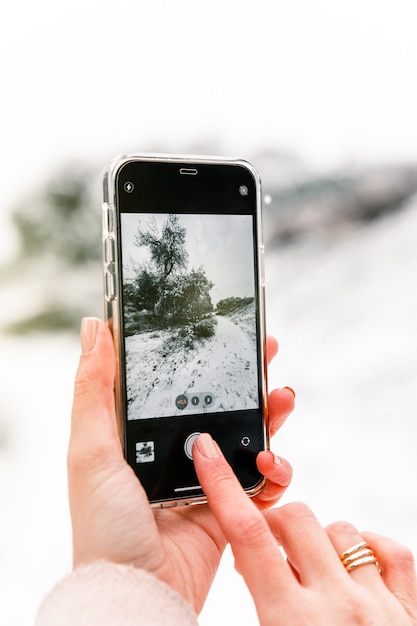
{"x": 290, "y": 389}
{"x": 277, "y": 460}
{"x": 89, "y": 327}
{"x": 207, "y": 446}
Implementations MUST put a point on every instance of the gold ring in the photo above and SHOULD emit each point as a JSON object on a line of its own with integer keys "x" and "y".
{"x": 358, "y": 555}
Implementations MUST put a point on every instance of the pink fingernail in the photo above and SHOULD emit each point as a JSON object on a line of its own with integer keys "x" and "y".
{"x": 207, "y": 446}
{"x": 290, "y": 389}
{"x": 89, "y": 326}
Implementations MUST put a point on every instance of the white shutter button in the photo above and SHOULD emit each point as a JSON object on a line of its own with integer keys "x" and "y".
{"x": 188, "y": 445}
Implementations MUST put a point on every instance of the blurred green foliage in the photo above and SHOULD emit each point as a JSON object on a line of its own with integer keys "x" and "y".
{"x": 61, "y": 219}
{"x": 57, "y": 266}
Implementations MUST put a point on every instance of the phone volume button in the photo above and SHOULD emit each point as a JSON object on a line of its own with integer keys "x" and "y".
{"x": 108, "y": 218}
{"x": 262, "y": 266}
{"x": 105, "y": 215}
{"x": 110, "y": 286}
{"x": 109, "y": 250}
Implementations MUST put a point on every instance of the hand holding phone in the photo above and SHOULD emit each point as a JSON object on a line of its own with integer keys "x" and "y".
{"x": 111, "y": 517}
{"x": 184, "y": 296}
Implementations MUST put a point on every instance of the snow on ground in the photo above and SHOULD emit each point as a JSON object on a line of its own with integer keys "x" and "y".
{"x": 223, "y": 365}
{"x": 345, "y": 315}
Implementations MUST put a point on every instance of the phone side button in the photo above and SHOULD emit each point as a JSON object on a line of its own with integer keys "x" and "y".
{"x": 109, "y": 286}
{"x": 105, "y": 214}
{"x": 109, "y": 250}
{"x": 262, "y": 266}
{"x": 108, "y": 218}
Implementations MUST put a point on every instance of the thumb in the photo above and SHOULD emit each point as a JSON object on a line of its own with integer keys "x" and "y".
{"x": 94, "y": 431}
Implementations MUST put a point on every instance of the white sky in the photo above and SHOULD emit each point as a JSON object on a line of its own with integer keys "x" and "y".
{"x": 331, "y": 80}
{"x": 222, "y": 246}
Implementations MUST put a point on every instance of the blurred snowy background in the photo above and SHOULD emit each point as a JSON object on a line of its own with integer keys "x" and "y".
{"x": 321, "y": 97}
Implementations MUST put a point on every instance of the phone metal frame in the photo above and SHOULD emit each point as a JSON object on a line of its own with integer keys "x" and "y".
{"x": 111, "y": 272}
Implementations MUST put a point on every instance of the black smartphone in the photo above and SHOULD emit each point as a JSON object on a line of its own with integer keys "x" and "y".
{"x": 184, "y": 299}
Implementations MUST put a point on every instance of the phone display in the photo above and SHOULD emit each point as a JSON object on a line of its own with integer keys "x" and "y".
{"x": 184, "y": 300}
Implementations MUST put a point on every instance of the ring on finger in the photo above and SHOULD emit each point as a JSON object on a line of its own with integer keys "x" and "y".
{"x": 358, "y": 555}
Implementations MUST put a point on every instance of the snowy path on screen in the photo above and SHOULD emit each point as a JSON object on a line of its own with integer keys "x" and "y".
{"x": 224, "y": 365}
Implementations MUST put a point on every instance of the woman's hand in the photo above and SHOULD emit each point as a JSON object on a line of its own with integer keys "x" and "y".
{"x": 111, "y": 517}
{"x": 311, "y": 587}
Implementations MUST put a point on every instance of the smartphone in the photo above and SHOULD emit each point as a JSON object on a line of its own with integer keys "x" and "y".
{"x": 184, "y": 299}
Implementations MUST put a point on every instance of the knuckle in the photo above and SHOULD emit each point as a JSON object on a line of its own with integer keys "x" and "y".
{"x": 357, "y": 604}
{"x": 88, "y": 374}
{"x": 280, "y": 475}
{"x": 341, "y": 527}
{"x": 401, "y": 556}
{"x": 251, "y": 530}
{"x": 85, "y": 453}
{"x": 296, "y": 516}
{"x": 76, "y": 457}
{"x": 296, "y": 512}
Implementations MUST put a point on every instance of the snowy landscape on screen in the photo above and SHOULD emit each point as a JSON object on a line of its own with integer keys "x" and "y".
{"x": 223, "y": 365}
{"x": 189, "y": 314}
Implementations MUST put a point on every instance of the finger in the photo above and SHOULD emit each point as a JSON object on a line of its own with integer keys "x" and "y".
{"x": 278, "y": 473}
{"x": 344, "y": 536}
{"x": 398, "y": 569}
{"x": 306, "y": 544}
{"x": 280, "y": 405}
{"x": 254, "y": 547}
{"x": 271, "y": 348}
{"x": 94, "y": 432}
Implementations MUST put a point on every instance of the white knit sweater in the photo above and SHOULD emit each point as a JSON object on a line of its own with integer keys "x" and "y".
{"x": 107, "y": 594}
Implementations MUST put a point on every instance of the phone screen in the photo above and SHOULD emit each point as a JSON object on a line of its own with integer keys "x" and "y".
{"x": 190, "y": 327}
{"x": 189, "y": 314}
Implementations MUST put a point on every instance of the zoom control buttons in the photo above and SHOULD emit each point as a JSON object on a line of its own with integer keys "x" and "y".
{"x": 199, "y": 400}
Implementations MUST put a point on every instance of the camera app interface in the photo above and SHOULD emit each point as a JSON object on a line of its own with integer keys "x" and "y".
{"x": 189, "y": 311}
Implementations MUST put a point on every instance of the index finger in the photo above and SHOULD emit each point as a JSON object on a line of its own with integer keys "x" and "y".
{"x": 254, "y": 547}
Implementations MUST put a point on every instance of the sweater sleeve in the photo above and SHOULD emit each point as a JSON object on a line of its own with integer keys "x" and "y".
{"x": 108, "y": 594}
